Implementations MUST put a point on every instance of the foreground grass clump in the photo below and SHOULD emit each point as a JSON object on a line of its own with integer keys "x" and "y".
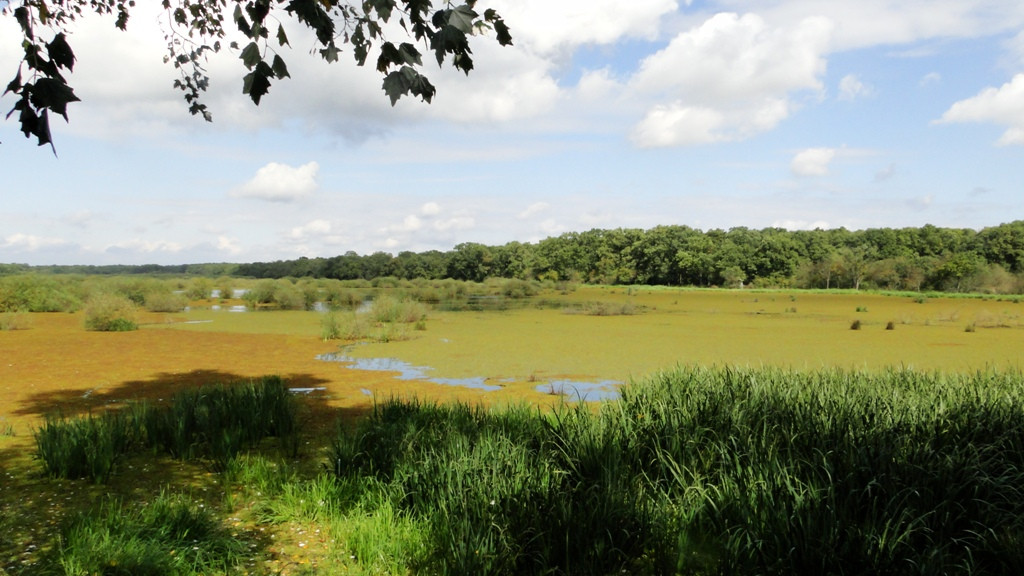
{"x": 212, "y": 422}
{"x": 713, "y": 471}
{"x": 168, "y": 536}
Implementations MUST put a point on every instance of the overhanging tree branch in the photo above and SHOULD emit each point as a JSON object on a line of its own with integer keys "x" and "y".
{"x": 195, "y": 28}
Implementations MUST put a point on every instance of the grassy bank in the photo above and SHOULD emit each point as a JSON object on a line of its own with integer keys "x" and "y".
{"x": 695, "y": 471}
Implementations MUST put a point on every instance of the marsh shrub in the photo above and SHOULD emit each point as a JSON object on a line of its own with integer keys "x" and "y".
{"x": 199, "y": 289}
{"x": 108, "y": 312}
{"x": 165, "y": 301}
{"x": 288, "y": 296}
{"x": 32, "y": 293}
{"x": 389, "y": 309}
{"x": 855, "y": 325}
{"x": 519, "y": 289}
{"x": 14, "y": 321}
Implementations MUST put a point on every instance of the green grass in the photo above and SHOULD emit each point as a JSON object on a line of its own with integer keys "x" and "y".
{"x": 213, "y": 422}
{"x": 168, "y": 536}
{"x": 714, "y": 471}
{"x": 696, "y": 470}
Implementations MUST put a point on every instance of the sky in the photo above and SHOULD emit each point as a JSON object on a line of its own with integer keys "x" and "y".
{"x": 798, "y": 114}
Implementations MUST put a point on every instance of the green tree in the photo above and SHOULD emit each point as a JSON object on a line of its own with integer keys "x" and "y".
{"x": 197, "y": 28}
{"x": 470, "y": 261}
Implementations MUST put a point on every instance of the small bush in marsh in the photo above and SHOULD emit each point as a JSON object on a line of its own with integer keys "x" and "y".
{"x": 855, "y": 325}
{"x": 890, "y": 325}
{"x": 14, "y": 321}
{"x": 389, "y": 309}
{"x": 108, "y": 312}
{"x": 165, "y": 301}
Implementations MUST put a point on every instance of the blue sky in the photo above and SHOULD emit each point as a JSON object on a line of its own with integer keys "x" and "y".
{"x": 605, "y": 114}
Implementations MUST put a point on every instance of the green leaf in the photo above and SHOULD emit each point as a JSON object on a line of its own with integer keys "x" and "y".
{"x": 383, "y": 8}
{"x": 504, "y": 36}
{"x": 256, "y": 83}
{"x": 60, "y": 53}
{"x": 282, "y": 38}
{"x": 14, "y": 85}
{"x": 53, "y": 94}
{"x": 21, "y": 14}
{"x": 330, "y": 53}
{"x": 251, "y": 55}
{"x": 279, "y": 67}
{"x": 395, "y": 86}
{"x": 462, "y": 18}
{"x": 405, "y": 81}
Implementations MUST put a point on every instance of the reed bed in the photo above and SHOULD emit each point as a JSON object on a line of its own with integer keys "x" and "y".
{"x": 715, "y": 471}
{"x": 212, "y": 422}
{"x": 696, "y": 470}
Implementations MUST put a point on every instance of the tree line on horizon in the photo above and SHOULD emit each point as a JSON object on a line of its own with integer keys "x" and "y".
{"x": 915, "y": 259}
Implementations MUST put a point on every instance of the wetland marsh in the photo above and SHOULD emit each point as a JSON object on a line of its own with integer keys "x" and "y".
{"x": 507, "y": 369}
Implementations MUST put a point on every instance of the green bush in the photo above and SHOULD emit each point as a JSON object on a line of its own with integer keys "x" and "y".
{"x": 14, "y": 321}
{"x": 34, "y": 293}
{"x": 165, "y": 301}
{"x": 108, "y": 312}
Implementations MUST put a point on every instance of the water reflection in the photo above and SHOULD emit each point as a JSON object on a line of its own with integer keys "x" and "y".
{"x": 570, "y": 389}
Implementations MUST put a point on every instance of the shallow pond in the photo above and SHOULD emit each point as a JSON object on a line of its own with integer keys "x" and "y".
{"x": 572, "y": 390}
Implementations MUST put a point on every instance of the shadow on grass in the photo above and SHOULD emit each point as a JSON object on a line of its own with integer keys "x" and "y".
{"x": 160, "y": 388}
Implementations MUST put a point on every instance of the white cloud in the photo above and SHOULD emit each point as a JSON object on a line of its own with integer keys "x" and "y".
{"x": 455, "y": 223}
{"x": 30, "y": 242}
{"x": 139, "y": 246}
{"x": 313, "y": 228}
{"x": 430, "y": 209}
{"x": 280, "y": 183}
{"x": 867, "y": 23}
{"x": 229, "y": 245}
{"x": 532, "y": 209}
{"x": 851, "y": 88}
{"x": 930, "y": 78}
{"x": 1003, "y": 105}
{"x": 812, "y": 161}
{"x": 728, "y": 79}
{"x": 801, "y": 224}
{"x": 547, "y": 27}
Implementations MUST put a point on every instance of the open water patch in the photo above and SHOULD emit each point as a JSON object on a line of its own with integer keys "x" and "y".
{"x": 406, "y": 371}
{"x": 571, "y": 389}
{"x": 583, "y": 391}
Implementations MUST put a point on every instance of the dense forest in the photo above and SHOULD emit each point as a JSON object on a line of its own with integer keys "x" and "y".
{"x": 925, "y": 258}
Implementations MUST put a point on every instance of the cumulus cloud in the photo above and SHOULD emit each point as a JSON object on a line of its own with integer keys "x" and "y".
{"x": 728, "y": 79}
{"x": 430, "y": 209}
{"x": 533, "y": 209}
{"x": 460, "y": 222}
{"x": 546, "y": 27}
{"x": 315, "y": 227}
{"x": 1003, "y": 106}
{"x": 29, "y": 242}
{"x": 851, "y": 88}
{"x": 140, "y": 246}
{"x": 812, "y": 161}
{"x": 229, "y": 245}
{"x": 280, "y": 183}
{"x": 801, "y": 224}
